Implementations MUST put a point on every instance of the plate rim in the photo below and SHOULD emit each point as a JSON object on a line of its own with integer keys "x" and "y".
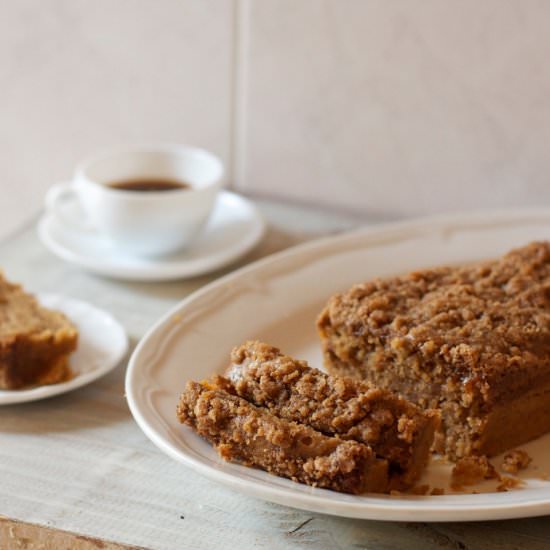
{"x": 14, "y": 397}
{"x": 384, "y": 508}
{"x": 165, "y": 271}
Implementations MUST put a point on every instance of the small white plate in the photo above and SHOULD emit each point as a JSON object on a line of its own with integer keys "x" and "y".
{"x": 277, "y": 300}
{"x": 233, "y": 229}
{"x": 102, "y": 344}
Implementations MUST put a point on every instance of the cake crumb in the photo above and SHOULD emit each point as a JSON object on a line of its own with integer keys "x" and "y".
{"x": 515, "y": 460}
{"x": 436, "y": 491}
{"x": 471, "y": 470}
{"x": 420, "y": 490}
{"x": 507, "y": 483}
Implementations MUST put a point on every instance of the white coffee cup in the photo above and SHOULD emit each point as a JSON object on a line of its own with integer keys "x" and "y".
{"x": 147, "y": 223}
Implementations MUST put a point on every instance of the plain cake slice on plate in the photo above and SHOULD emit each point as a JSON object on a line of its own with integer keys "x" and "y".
{"x": 35, "y": 342}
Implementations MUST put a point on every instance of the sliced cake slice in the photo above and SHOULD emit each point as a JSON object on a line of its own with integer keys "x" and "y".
{"x": 253, "y": 436}
{"x": 395, "y": 429}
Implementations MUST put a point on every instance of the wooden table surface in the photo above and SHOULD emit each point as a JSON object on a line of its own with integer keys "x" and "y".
{"x": 77, "y": 472}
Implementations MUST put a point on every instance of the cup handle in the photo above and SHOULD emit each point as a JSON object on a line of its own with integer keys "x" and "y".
{"x": 55, "y": 196}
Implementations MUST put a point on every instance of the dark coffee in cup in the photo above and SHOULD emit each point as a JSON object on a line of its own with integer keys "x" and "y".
{"x": 149, "y": 184}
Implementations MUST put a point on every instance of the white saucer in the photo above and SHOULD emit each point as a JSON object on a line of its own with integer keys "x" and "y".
{"x": 102, "y": 344}
{"x": 234, "y": 228}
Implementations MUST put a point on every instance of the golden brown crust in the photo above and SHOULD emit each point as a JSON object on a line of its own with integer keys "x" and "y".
{"x": 253, "y": 436}
{"x": 395, "y": 429}
{"x": 464, "y": 339}
{"x": 34, "y": 341}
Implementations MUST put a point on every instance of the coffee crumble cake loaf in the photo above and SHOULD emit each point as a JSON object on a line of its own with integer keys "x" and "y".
{"x": 395, "y": 429}
{"x": 34, "y": 341}
{"x": 253, "y": 436}
{"x": 473, "y": 341}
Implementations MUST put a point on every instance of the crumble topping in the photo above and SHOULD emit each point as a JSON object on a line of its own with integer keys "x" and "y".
{"x": 515, "y": 460}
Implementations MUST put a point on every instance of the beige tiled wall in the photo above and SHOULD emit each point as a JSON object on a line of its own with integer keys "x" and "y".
{"x": 401, "y": 106}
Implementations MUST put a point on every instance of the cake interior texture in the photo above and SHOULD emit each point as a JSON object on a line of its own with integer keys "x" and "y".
{"x": 35, "y": 342}
{"x": 472, "y": 341}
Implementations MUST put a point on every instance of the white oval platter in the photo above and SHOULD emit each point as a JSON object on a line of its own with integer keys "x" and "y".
{"x": 277, "y": 300}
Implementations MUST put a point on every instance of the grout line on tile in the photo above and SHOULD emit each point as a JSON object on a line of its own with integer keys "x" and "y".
{"x": 241, "y": 32}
